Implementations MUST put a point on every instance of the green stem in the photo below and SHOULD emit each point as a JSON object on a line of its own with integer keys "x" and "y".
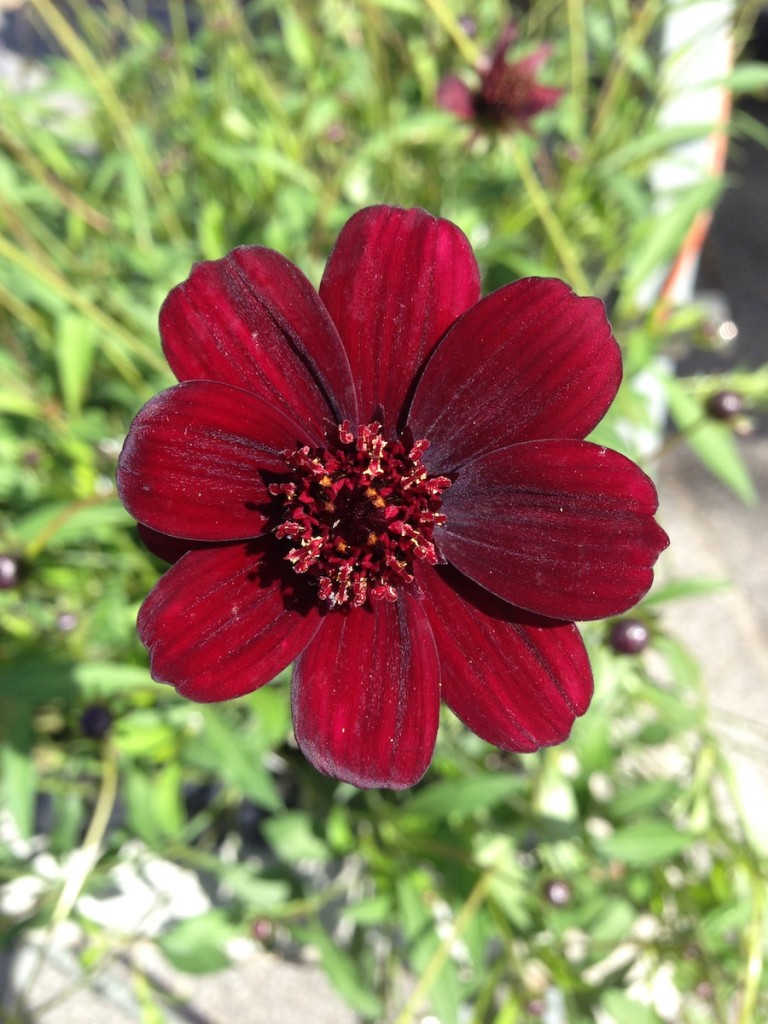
{"x": 469, "y": 51}
{"x": 118, "y": 341}
{"x": 83, "y": 860}
{"x": 632, "y": 40}
{"x": 577, "y": 35}
{"x": 121, "y": 118}
{"x": 473, "y": 902}
{"x": 541, "y": 203}
{"x": 754, "y": 939}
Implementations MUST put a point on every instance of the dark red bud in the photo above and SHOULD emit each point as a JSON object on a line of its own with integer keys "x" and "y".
{"x": 629, "y": 636}
{"x": 724, "y": 405}
{"x": 96, "y": 721}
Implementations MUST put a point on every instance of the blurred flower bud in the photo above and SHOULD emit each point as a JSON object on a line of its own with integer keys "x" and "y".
{"x": 629, "y": 636}
{"x": 96, "y": 721}
{"x": 725, "y": 405}
{"x": 10, "y": 571}
{"x": 558, "y": 893}
{"x": 66, "y": 622}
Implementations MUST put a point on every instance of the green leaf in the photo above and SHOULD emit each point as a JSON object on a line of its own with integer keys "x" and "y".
{"x": 146, "y": 734}
{"x": 75, "y": 343}
{"x": 641, "y": 797}
{"x": 684, "y": 588}
{"x": 210, "y": 229}
{"x": 644, "y": 843}
{"x": 232, "y": 755}
{"x": 260, "y": 895}
{"x": 374, "y": 911}
{"x": 344, "y": 974}
{"x": 197, "y": 945}
{"x": 19, "y": 775}
{"x": 747, "y": 77}
{"x": 625, "y": 1010}
{"x": 659, "y": 236}
{"x": 463, "y": 796}
{"x": 647, "y": 145}
{"x": 299, "y": 44}
{"x": 291, "y": 837}
{"x": 712, "y": 442}
{"x": 103, "y": 678}
{"x": 612, "y": 924}
{"x": 36, "y": 681}
{"x": 18, "y": 404}
{"x": 154, "y": 801}
{"x": 69, "y": 522}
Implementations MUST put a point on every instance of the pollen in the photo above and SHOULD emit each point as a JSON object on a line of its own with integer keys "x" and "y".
{"x": 357, "y": 513}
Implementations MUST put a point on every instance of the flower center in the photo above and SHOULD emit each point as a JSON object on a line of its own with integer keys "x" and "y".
{"x": 358, "y": 512}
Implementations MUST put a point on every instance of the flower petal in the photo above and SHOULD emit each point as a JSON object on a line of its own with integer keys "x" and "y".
{"x": 455, "y": 96}
{"x": 394, "y": 282}
{"x": 222, "y": 622}
{"x": 532, "y": 360}
{"x": 366, "y": 695}
{"x": 192, "y": 464}
{"x": 253, "y": 320}
{"x": 515, "y": 679}
{"x": 561, "y": 528}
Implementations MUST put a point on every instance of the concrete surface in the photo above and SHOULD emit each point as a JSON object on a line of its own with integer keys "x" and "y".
{"x": 260, "y": 989}
{"x": 714, "y": 536}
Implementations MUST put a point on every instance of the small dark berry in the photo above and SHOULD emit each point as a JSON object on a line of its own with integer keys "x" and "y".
{"x": 629, "y": 636}
{"x": 95, "y": 721}
{"x": 724, "y": 405}
{"x": 558, "y": 893}
{"x": 10, "y": 571}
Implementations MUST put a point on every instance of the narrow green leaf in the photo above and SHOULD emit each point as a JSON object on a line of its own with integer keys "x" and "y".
{"x": 659, "y": 237}
{"x": 625, "y": 1010}
{"x": 102, "y": 678}
{"x": 18, "y": 774}
{"x": 198, "y": 944}
{"x": 231, "y": 755}
{"x": 642, "y": 797}
{"x": 75, "y": 344}
{"x": 69, "y": 522}
{"x": 747, "y": 77}
{"x": 291, "y": 836}
{"x": 463, "y": 796}
{"x": 343, "y": 973}
{"x": 712, "y": 442}
{"x": 684, "y": 588}
{"x": 645, "y": 843}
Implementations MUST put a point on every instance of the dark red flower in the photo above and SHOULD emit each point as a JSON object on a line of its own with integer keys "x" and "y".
{"x": 508, "y": 95}
{"x": 386, "y": 483}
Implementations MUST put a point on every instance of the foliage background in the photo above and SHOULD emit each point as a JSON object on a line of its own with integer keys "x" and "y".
{"x": 579, "y": 881}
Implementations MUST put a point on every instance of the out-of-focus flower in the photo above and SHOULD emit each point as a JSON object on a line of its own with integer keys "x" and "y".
{"x": 386, "y": 482}
{"x": 10, "y": 571}
{"x": 508, "y": 95}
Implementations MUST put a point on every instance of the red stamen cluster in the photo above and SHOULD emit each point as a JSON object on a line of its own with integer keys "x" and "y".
{"x": 358, "y": 512}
